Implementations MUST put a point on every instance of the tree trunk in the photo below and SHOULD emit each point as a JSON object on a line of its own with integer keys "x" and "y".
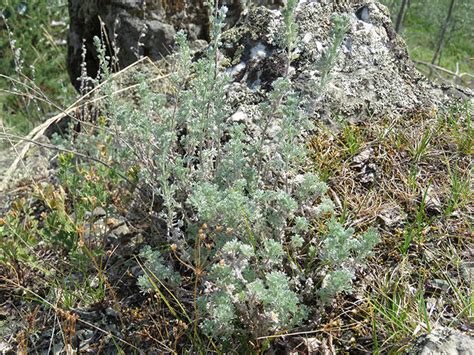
{"x": 401, "y": 15}
{"x": 442, "y": 35}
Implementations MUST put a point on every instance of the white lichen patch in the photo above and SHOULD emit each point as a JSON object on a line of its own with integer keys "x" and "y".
{"x": 259, "y": 51}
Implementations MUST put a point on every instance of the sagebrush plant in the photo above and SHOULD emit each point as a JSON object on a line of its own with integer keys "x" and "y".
{"x": 340, "y": 27}
{"x": 316, "y": 86}
{"x": 241, "y": 212}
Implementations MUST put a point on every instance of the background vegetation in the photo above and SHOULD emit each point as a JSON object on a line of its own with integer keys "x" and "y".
{"x": 421, "y": 25}
{"x": 34, "y": 80}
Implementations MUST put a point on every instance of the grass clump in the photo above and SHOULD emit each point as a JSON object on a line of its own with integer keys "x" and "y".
{"x": 419, "y": 195}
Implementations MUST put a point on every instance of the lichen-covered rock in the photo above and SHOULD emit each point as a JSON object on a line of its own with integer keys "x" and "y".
{"x": 444, "y": 341}
{"x": 372, "y": 76}
{"x": 136, "y": 28}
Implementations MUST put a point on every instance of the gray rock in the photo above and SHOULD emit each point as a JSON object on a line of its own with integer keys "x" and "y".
{"x": 444, "y": 341}
{"x": 118, "y": 227}
{"x": 136, "y": 28}
{"x": 111, "y": 312}
{"x": 98, "y": 212}
{"x": 372, "y": 77}
{"x": 123, "y": 23}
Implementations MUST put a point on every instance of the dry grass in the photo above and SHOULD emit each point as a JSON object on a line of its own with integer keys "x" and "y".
{"x": 413, "y": 177}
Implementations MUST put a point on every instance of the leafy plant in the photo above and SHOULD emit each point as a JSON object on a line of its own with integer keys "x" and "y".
{"x": 17, "y": 237}
{"x": 239, "y": 206}
{"x": 340, "y": 27}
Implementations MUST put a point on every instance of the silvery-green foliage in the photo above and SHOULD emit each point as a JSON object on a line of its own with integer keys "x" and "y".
{"x": 335, "y": 282}
{"x": 253, "y": 192}
{"x": 310, "y": 187}
{"x": 272, "y": 252}
{"x": 220, "y": 315}
{"x": 230, "y": 206}
{"x": 242, "y": 296}
{"x": 156, "y": 270}
{"x": 104, "y": 72}
{"x": 301, "y": 224}
{"x": 366, "y": 244}
{"x": 316, "y": 87}
{"x": 341, "y": 252}
{"x": 297, "y": 241}
{"x": 291, "y": 28}
{"x": 340, "y": 27}
{"x": 340, "y": 243}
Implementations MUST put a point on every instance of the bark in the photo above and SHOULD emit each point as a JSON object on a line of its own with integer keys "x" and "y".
{"x": 401, "y": 15}
{"x": 442, "y": 35}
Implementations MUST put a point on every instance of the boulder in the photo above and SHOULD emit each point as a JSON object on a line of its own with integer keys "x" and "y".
{"x": 371, "y": 75}
{"x": 444, "y": 341}
{"x": 135, "y": 28}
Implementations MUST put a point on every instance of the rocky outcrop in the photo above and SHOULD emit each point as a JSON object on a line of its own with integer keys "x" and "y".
{"x": 134, "y": 28}
{"x": 372, "y": 75}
